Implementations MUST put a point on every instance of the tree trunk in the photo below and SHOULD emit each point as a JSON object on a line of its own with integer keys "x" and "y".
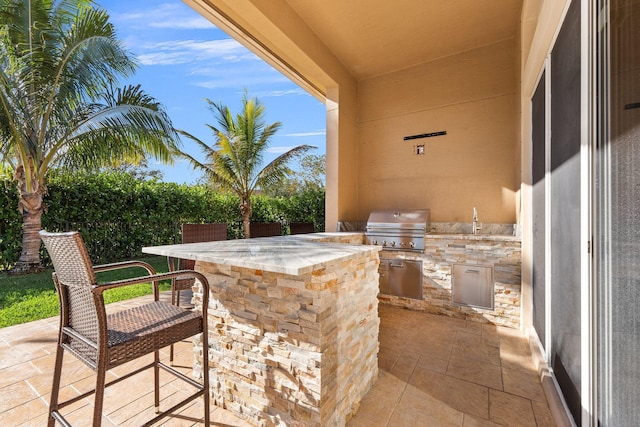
{"x": 31, "y": 207}
{"x": 245, "y": 211}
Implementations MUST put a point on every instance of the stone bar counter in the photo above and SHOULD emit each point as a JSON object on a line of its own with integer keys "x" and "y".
{"x": 293, "y": 325}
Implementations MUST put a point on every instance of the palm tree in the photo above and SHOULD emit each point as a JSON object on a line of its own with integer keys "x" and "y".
{"x": 234, "y": 162}
{"x": 59, "y": 62}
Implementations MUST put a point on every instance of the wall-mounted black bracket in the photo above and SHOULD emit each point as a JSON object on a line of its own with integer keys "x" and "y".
{"x": 425, "y": 135}
{"x": 632, "y": 106}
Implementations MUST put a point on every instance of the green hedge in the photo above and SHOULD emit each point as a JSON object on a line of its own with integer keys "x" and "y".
{"x": 118, "y": 214}
{"x": 10, "y": 225}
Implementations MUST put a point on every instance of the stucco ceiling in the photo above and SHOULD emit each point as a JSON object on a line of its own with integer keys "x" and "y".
{"x": 374, "y": 37}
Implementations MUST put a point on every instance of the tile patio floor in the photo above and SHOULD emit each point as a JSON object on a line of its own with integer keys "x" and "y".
{"x": 434, "y": 371}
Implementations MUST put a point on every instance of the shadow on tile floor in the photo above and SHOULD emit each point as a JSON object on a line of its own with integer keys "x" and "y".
{"x": 438, "y": 371}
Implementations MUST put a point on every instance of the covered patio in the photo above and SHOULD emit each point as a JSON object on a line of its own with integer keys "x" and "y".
{"x": 448, "y": 106}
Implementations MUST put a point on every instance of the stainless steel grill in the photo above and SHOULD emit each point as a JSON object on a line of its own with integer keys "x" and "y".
{"x": 398, "y": 229}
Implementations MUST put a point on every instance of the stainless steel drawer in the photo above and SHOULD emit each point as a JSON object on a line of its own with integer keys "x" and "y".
{"x": 401, "y": 277}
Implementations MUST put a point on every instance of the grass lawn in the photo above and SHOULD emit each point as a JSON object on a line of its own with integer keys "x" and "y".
{"x": 32, "y": 296}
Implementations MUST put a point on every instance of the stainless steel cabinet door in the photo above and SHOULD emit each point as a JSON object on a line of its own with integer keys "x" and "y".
{"x": 472, "y": 285}
{"x": 405, "y": 278}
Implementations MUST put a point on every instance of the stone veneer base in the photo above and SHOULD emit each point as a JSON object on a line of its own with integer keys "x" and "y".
{"x": 292, "y": 350}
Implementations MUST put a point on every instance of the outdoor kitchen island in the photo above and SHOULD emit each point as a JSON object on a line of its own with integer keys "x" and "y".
{"x": 293, "y": 325}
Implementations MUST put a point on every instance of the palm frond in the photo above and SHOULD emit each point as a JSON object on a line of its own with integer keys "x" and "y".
{"x": 206, "y": 149}
{"x": 208, "y": 166}
{"x": 120, "y": 130}
{"x": 278, "y": 168}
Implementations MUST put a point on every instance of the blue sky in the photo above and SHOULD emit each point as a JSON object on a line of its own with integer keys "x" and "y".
{"x": 184, "y": 59}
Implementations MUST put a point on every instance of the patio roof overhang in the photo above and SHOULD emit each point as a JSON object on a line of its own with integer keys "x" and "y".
{"x": 366, "y": 38}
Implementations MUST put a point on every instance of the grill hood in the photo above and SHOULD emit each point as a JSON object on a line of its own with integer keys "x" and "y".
{"x": 399, "y": 219}
{"x": 398, "y": 229}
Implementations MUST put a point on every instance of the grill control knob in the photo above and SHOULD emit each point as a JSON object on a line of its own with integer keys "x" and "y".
{"x": 384, "y": 243}
{"x": 393, "y": 244}
{"x": 413, "y": 245}
{"x": 401, "y": 243}
{"x": 374, "y": 242}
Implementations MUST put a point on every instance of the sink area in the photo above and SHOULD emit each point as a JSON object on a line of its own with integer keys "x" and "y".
{"x": 484, "y": 230}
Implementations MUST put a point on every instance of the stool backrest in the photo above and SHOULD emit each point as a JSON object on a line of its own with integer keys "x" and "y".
{"x": 265, "y": 229}
{"x": 197, "y": 233}
{"x": 301, "y": 227}
{"x": 74, "y": 279}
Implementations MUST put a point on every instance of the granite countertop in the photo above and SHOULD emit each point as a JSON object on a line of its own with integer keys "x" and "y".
{"x": 467, "y": 236}
{"x": 326, "y": 235}
{"x": 296, "y": 255}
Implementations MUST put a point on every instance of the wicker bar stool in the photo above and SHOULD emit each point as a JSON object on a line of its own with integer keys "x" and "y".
{"x": 104, "y": 341}
{"x": 265, "y": 229}
{"x": 301, "y": 227}
{"x": 191, "y": 233}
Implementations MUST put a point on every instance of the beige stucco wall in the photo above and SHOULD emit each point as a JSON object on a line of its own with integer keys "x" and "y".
{"x": 470, "y": 95}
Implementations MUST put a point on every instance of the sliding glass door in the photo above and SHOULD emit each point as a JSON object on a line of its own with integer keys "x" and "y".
{"x": 617, "y": 191}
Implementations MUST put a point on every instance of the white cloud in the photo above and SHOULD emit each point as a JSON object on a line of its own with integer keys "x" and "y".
{"x": 187, "y": 51}
{"x": 165, "y": 16}
{"x": 278, "y": 93}
{"x": 279, "y": 150}
{"x": 162, "y": 58}
{"x": 232, "y": 80}
{"x": 211, "y": 63}
{"x": 196, "y": 23}
{"x": 215, "y": 64}
{"x": 304, "y": 134}
{"x": 230, "y": 75}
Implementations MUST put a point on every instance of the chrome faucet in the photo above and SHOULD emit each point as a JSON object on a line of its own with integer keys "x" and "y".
{"x": 476, "y": 225}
